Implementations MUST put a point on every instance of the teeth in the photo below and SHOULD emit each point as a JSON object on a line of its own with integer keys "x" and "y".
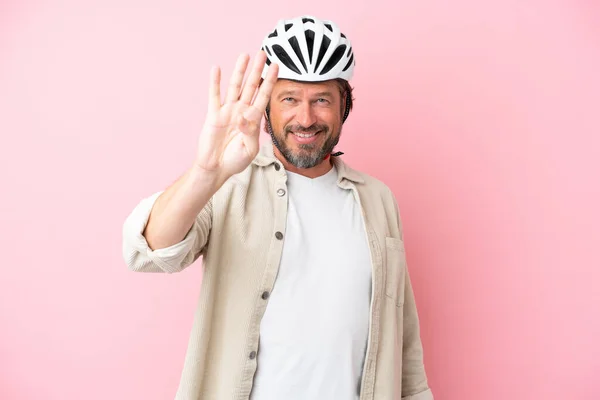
{"x": 305, "y": 135}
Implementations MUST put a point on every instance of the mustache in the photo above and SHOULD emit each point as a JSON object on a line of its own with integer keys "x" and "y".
{"x": 301, "y": 129}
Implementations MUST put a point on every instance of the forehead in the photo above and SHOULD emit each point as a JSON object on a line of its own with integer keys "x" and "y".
{"x": 305, "y": 88}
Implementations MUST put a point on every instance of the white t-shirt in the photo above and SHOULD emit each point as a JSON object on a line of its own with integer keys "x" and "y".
{"x": 314, "y": 332}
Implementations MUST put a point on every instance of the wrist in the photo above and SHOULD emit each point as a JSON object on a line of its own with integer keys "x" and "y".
{"x": 203, "y": 178}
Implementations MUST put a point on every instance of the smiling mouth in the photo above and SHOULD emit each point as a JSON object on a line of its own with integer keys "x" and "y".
{"x": 304, "y": 135}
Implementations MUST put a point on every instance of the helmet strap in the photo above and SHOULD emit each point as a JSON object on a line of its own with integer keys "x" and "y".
{"x": 270, "y": 129}
{"x": 347, "y": 108}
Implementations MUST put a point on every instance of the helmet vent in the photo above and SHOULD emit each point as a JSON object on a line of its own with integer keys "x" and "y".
{"x": 349, "y": 62}
{"x": 310, "y": 42}
{"x": 324, "y": 46}
{"x": 294, "y": 43}
{"x": 285, "y": 59}
{"x": 334, "y": 59}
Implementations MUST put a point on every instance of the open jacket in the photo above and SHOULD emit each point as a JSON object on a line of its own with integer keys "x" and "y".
{"x": 240, "y": 235}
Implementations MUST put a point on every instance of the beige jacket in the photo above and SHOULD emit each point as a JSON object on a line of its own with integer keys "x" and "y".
{"x": 240, "y": 235}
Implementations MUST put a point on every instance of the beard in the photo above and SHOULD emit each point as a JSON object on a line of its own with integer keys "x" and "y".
{"x": 307, "y": 155}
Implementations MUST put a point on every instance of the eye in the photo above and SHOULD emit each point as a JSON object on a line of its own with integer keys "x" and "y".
{"x": 322, "y": 101}
{"x": 288, "y": 99}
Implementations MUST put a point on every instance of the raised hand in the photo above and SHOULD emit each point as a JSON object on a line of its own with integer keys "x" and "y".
{"x": 229, "y": 139}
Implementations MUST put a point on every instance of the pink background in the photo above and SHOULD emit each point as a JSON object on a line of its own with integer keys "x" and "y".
{"x": 483, "y": 117}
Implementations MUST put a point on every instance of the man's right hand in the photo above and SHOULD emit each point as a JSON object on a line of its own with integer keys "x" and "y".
{"x": 229, "y": 139}
{"x": 227, "y": 145}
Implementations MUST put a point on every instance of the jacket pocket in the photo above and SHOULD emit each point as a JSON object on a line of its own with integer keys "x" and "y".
{"x": 395, "y": 266}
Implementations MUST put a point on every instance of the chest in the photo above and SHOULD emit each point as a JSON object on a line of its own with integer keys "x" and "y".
{"x": 326, "y": 235}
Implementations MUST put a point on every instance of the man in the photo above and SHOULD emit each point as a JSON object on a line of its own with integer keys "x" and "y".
{"x": 305, "y": 292}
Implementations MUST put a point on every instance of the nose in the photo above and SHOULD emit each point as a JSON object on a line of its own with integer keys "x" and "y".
{"x": 306, "y": 115}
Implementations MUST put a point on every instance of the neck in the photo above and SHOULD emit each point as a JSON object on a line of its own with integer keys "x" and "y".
{"x": 318, "y": 170}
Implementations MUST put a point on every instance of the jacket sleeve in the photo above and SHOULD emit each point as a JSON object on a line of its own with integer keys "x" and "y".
{"x": 414, "y": 379}
{"x": 140, "y": 258}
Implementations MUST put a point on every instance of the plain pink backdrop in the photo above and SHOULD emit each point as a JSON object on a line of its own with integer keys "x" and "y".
{"x": 483, "y": 117}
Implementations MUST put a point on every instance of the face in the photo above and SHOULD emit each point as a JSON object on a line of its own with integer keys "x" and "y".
{"x": 306, "y": 119}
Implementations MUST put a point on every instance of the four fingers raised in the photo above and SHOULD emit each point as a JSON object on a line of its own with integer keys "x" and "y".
{"x": 256, "y": 100}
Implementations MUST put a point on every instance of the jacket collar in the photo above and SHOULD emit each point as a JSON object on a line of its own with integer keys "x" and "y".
{"x": 267, "y": 157}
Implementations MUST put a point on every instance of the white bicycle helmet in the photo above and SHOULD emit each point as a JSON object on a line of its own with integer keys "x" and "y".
{"x": 309, "y": 49}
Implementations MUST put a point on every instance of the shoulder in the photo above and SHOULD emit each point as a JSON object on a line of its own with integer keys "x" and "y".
{"x": 377, "y": 188}
{"x": 366, "y": 182}
{"x": 378, "y": 199}
{"x": 375, "y": 184}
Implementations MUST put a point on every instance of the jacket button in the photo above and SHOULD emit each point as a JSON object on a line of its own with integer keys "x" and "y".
{"x": 277, "y": 167}
{"x": 279, "y": 235}
{"x": 252, "y": 355}
{"x": 280, "y": 192}
{"x": 265, "y": 295}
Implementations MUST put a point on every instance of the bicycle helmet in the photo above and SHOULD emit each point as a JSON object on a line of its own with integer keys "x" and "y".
{"x": 309, "y": 49}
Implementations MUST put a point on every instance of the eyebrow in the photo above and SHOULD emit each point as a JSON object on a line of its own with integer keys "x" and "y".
{"x": 324, "y": 94}
{"x": 287, "y": 93}
{"x": 295, "y": 92}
